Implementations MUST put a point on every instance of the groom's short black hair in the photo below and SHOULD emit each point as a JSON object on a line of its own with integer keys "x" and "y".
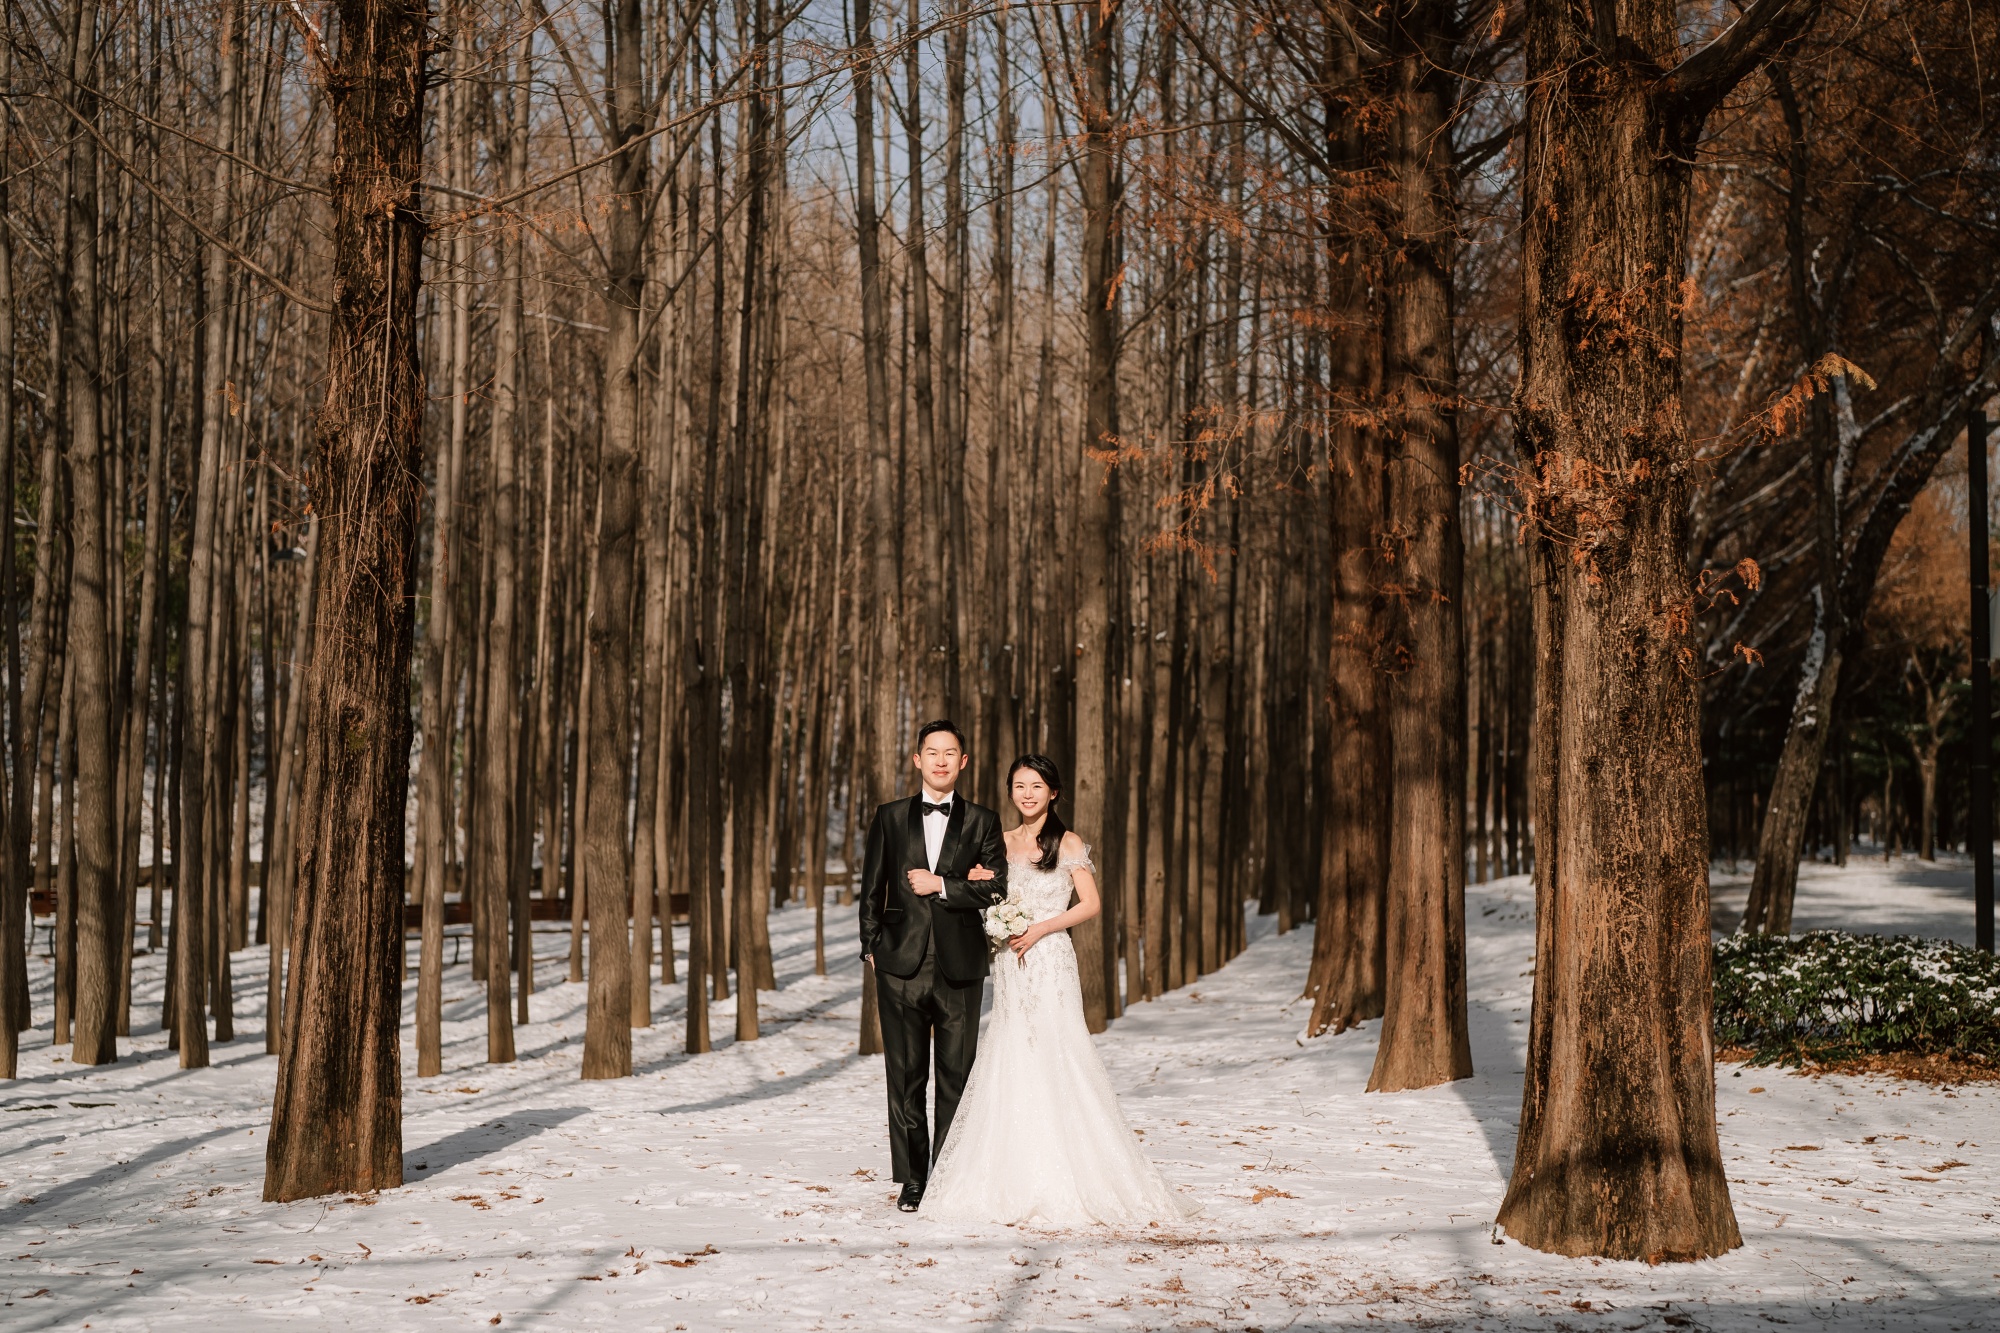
{"x": 926, "y": 731}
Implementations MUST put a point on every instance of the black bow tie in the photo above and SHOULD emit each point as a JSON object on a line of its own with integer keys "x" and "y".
{"x": 930, "y": 809}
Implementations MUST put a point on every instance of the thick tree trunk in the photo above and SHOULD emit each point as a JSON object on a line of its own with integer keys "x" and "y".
{"x": 1347, "y": 975}
{"x": 336, "y": 1121}
{"x": 1618, "y": 1154}
{"x": 607, "y": 1046}
{"x": 1424, "y": 1037}
{"x": 99, "y": 914}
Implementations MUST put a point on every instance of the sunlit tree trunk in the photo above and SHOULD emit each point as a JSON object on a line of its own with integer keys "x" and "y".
{"x": 336, "y": 1120}
{"x": 1618, "y": 1154}
{"x": 1424, "y": 1038}
{"x": 607, "y": 1048}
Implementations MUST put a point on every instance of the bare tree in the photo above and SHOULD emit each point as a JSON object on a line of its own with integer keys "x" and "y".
{"x": 336, "y": 1122}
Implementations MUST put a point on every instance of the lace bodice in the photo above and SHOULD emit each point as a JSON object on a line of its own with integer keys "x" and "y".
{"x": 1038, "y": 1136}
{"x": 1045, "y": 893}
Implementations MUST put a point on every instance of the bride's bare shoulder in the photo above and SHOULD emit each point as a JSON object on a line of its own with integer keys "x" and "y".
{"x": 1072, "y": 845}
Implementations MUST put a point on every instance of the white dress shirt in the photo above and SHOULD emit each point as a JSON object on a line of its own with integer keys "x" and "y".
{"x": 934, "y": 822}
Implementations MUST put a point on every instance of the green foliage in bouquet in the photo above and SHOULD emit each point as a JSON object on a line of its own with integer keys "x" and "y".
{"x": 1828, "y": 995}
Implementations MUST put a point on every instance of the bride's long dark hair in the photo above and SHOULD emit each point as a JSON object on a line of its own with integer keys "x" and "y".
{"x": 1051, "y": 836}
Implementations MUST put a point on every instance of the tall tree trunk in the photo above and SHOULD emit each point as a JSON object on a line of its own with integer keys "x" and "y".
{"x": 652, "y": 695}
{"x": 746, "y": 610}
{"x": 1004, "y": 469}
{"x": 1348, "y": 976}
{"x": 1424, "y": 1037}
{"x": 490, "y": 877}
{"x": 1095, "y": 556}
{"x": 935, "y": 681}
{"x": 607, "y": 1046}
{"x": 191, "y": 852}
{"x": 278, "y": 876}
{"x": 434, "y": 791}
{"x": 20, "y": 790}
{"x": 1775, "y": 878}
{"x": 884, "y": 696}
{"x": 336, "y": 1118}
{"x": 951, "y": 418}
{"x": 99, "y": 913}
{"x": 1618, "y": 1154}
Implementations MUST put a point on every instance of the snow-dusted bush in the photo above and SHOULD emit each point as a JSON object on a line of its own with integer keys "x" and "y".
{"x": 1829, "y": 995}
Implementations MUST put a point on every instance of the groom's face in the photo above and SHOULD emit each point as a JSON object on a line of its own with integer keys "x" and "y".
{"x": 940, "y": 761}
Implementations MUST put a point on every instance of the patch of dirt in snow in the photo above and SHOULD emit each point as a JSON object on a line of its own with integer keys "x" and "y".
{"x": 749, "y": 1188}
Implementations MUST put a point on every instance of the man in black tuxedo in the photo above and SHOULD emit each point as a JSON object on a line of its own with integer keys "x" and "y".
{"x": 921, "y": 927}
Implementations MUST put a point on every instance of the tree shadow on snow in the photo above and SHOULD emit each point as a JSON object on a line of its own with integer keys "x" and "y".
{"x": 50, "y": 1202}
{"x": 483, "y": 1140}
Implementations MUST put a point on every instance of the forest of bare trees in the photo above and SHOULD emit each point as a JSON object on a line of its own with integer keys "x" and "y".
{"x": 507, "y": 463}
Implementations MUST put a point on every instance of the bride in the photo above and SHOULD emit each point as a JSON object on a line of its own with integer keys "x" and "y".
{"x": 1038, "y": 1136}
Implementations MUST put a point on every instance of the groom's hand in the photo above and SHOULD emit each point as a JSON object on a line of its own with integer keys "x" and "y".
{"x": 923, "y": 883}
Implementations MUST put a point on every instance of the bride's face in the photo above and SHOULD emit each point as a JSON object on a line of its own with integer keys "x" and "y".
{"x": 1031, "y": 794}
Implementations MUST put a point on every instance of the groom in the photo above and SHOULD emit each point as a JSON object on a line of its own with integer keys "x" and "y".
{"x": 921, "y": 928}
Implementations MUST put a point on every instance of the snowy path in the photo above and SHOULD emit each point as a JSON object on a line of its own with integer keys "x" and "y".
{"x": 748, "y": 1189}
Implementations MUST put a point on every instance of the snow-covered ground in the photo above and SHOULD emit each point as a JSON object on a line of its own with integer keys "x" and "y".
{"x": 1903, "y": 896}
{"x": 748, "y": 1189}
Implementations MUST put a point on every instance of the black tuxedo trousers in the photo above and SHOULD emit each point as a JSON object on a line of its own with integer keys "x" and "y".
{"x": 930, "y": 958}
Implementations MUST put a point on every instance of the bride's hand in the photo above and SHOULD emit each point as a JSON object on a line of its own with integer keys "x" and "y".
{"x": 1027, "y": 939}
{"x": 980, "y": 874}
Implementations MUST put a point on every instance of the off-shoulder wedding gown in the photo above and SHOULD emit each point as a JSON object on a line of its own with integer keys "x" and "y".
{"x": 1038, "y": 1136}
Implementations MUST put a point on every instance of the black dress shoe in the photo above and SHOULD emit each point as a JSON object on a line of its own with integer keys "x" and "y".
{"x": 912, "y": 1195}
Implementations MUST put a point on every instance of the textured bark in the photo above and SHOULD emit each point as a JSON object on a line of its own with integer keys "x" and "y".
{"x": 1347, "y": 979}
{"x": 652, "y": 690}
{"x": 749, "y": 470}
{"x": 1424, "y": 1037}
{"x": 99, "y": 915}
{"x": 490, "y": 878}
{"x": 149, "y": 644}
{"x": 1094, "y": 557}
{"x": 336, "y": 1121}
{"x": 607, "y": 1044}
{"x": 883, "y": 698}
{"x": 17, "y": 789}
{"x": 1618, "y": 1154}
{"x": 191, "y": 850}
{"x": 278, "y": 867}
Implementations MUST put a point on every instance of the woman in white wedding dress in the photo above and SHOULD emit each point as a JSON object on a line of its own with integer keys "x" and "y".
{"x": 1038, "y": 1136}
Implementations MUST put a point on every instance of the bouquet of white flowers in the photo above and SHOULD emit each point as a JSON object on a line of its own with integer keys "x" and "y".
{"x": 1006, "y": 920}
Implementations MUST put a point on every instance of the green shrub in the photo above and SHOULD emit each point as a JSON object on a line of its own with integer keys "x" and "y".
{"x": 1828, "y": 995}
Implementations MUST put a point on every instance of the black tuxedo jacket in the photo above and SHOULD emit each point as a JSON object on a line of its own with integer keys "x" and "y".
{"x": 895, "y": 920}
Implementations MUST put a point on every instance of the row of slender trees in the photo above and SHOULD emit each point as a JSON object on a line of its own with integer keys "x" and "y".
{"x": 1319, "y": 431}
